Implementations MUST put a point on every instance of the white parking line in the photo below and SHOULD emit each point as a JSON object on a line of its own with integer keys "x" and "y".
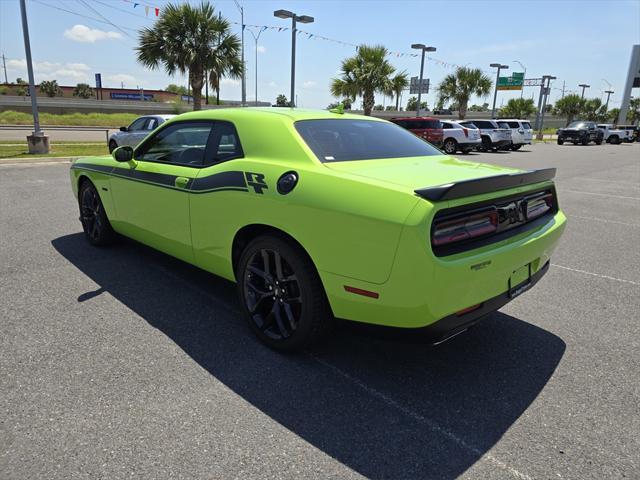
{"x": 604, "y": 220}
{"x": 600, "y": 194}
{"x": 606, "y": 277}
{"x": 422, "y": 419}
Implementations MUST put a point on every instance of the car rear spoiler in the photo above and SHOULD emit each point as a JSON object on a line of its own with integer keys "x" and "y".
{"x": 478, "y": 186}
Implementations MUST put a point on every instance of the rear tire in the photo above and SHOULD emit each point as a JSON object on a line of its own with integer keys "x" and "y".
{"x": 95, "y": 224}
{"x": 281, "y": 295}
{"x": 450, "y": 146}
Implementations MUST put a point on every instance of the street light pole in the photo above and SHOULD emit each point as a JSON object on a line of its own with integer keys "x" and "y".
{"x": 606, "y": 105}
{"x": 38, "y": 142}
{"x": 524, "y": 74}
{"x": 499, "y": 66}
{"x": 294, "y": 20}
{"x": 583, "y": 85}
{"x": 423, "y": 48}
{"x": 256, "y": 38}
{"x": 544, "y": 91}
{"x": 244, "y": 76}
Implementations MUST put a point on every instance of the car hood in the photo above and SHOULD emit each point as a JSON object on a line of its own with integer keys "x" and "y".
{"x": 419, "y": 172}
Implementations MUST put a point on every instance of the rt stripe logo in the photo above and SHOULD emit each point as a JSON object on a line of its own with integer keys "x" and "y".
{"x": 256, "y": 180}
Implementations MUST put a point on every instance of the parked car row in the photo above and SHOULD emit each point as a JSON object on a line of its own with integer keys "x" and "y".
{"x": 583, "y": 132}
{"x": 467, "y": 135}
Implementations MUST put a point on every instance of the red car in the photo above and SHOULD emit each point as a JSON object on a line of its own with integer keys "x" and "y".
{"x": 428, "y": 128}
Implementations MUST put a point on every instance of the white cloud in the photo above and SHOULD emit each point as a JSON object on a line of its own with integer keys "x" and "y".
{"x": 309, "y": 84}
{"x": 262, "y": 49}
{"x": 64, "y": 73}
{"x": 82, "y": 33}
{"x": 272, "y": 84}
{"x": 129, "y": 80}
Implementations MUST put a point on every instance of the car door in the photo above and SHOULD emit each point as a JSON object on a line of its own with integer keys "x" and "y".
{"x": 136, "y": 132}
{"x": 151, "y": 192}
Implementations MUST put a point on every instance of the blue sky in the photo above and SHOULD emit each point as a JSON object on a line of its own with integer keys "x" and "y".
{"x": 582, "y": 41}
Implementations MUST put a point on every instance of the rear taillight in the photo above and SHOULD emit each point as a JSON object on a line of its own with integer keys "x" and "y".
{"x": 538, "y": 205}
{"x": 465, "y": 227}
{"x": 466, "y": 132}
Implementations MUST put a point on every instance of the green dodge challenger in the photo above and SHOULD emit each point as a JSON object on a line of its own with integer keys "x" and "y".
{"x": 319, "y": 215}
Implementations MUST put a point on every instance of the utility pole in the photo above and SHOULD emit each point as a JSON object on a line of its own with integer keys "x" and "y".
{"x": 583, "y": 86}
{"x": 38, "y": 142}
{"x": 244, "y": 77}
{"x": 562, "y": 89}
{"x": 4, "y": 64}
{"x": 499, "y": 66}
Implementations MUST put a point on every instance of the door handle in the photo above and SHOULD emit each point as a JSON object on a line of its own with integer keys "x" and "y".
{"x": 182, "y": 182}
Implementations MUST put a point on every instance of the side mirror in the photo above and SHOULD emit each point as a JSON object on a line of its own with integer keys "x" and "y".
{"x": 124, "y": 129}
{"x": 123, "y": 154}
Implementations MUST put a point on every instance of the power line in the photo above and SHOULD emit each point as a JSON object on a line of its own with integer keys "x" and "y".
{"x": 79, "y": 14}
{"x": 104, "y": 18}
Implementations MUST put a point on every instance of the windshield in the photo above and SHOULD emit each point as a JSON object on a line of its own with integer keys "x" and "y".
{"x": 345, "y": 140}
{"x": 577, "y": 125}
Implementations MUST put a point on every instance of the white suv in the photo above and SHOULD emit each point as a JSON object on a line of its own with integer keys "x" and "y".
{"x": 456, "y": 137}
{"x": 493, "y": 136}
{"x": 521, "y": 132}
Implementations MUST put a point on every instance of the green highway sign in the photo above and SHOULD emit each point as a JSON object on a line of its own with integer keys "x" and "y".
{"x": 514, "y": 82}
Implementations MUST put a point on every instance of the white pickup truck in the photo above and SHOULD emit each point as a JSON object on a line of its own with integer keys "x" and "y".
{"x": 612, "y": 134}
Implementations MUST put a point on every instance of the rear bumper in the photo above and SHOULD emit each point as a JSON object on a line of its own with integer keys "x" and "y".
{"x": 500, "y": 143}
{"x": 424, "y": 290}
{"x": 454, "y": 324}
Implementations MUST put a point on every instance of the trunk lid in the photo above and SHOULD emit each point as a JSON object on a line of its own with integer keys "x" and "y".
{"x": 419, "y": 172}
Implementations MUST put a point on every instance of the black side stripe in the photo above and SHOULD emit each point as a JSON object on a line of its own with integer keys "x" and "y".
{"x": 224, "y": 181}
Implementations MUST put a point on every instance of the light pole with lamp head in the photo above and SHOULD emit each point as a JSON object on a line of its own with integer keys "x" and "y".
{"x": 294, "y": 20}
{"x": 583, "y": 86}
{"x": 499, "y": 66}
{"x": 423, "y": 48}
{"x": 606, "y": 105}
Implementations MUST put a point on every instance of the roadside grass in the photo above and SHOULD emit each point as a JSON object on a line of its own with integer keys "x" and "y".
{"x": 13, "y": 149}
{"x": 113, "y": 120}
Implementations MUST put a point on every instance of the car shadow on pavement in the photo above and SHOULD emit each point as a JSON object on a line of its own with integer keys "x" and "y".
{"x": 386, "y": 409}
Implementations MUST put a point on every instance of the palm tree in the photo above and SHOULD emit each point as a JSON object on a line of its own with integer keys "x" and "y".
{"x": 569, "y": 106}
{"x": 363, "y": 75}
{"x": 398, "y": 84}
{"x": 518, "y": 108}
{"x": 461, "y": 85}
{"x": 191, "y": 40}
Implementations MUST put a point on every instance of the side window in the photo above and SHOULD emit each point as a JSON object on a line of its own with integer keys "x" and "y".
{"x": 181, "y": 143}
{"x": 151, "y": 124}
{"x": 138, "y": 124}
{"x": 514, "y": 124}
{"x": 225, "y": 143}
{"x": 446, "y": 126}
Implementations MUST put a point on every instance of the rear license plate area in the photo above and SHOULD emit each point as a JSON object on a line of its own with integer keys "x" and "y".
{"x": 520, "y": 281}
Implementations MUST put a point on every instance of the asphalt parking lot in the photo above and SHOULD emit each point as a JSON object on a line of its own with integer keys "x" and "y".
{"x": 125, "y": 363}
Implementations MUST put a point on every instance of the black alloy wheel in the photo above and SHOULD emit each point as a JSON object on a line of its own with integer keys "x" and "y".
{"x": 272, "y": 294}
{"x": 281, "y": 294}
{"x": 95, "y": 223}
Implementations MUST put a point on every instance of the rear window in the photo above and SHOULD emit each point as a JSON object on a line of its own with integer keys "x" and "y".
{"x": 346, "y": 140}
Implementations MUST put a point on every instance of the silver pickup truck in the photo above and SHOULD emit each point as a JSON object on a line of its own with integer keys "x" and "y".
{"x": 613, "y": 135}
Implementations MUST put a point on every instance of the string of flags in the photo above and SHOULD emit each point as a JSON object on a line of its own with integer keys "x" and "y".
{"x": 150, "y": 8}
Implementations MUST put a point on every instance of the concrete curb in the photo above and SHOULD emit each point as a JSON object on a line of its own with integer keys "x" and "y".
{"x": 14, "y": 161}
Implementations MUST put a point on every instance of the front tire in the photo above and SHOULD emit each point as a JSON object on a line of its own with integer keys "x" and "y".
{"x": 95, "y": 224}
{"x": 112, "y": 145}
{"x": 281, "y": 294}
{"x": 585, "y": 141}
{"x": 450, "y": 146}
{"x": 560, "y": 141}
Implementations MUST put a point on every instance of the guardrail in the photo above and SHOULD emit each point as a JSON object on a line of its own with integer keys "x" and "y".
{"x": 60, "y": 127}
